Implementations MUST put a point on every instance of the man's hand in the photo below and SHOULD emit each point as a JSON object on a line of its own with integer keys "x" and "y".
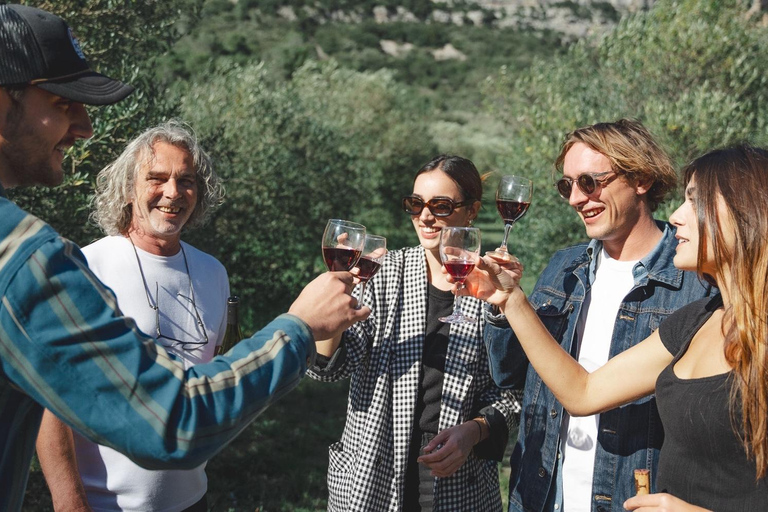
{"x": 660, "y": 502}
{"x": 449, "y": 449}
{"x": 492, "y": 280}
{"x": 327, "y": 306}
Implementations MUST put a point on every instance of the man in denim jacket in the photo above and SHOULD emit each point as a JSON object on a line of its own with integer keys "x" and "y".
{"x": 597, "y": 299}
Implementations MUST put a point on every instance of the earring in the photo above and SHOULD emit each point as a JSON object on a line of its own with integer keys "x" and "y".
{"x": 471, "y": 222}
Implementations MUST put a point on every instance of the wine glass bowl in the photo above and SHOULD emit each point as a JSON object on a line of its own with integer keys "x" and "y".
{"x": 513, "y": 197}
{"x": 343, "y": 243}
{"x": 459, "y": 248}
{"x": 374, "y": 249}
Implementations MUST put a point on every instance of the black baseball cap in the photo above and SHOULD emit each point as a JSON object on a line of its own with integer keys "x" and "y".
{"x": 38, "y": 48}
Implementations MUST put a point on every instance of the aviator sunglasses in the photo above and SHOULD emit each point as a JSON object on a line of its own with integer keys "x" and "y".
{"x": 439, "y": 206}
{"x": 587, "y": 183}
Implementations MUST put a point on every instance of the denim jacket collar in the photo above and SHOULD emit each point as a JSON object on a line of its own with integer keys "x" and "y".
{"x": 652, "y": 267}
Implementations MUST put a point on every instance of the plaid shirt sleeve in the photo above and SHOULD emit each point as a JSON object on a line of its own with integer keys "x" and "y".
{"x": 65, "y": 345}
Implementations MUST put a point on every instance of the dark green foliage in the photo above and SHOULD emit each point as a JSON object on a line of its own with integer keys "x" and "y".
{"x": 284, "y": 46}
{"x": 330, "y": 143}
{"x": 309, "y": 119}
{"x": 279, "y": 463}
{"x": 693, "y": 71}
{"x": 577, "y": 9}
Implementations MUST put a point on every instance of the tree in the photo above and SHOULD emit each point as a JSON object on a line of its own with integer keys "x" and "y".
{"x": 692, "y": 71}
{"x": 330, "y": 143}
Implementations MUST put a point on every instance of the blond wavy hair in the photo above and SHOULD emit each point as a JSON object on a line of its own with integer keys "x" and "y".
{"x": 633, "y": 153}
{"x": 112, "y": 204}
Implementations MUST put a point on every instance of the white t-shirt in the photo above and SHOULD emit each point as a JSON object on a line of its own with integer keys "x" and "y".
{"x": 578, "y": 436}
{"x": 112, "y": 481}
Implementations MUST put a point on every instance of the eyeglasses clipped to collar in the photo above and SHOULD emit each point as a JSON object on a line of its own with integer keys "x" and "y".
{"x": 588, "y": 183}
{"x": 439, "y": 206}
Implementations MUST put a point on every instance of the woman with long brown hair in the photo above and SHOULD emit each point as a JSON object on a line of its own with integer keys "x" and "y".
{"x": 707, "y": 363}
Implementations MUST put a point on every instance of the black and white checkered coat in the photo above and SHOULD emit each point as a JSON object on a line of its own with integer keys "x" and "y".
{"x": 383, "y": 358}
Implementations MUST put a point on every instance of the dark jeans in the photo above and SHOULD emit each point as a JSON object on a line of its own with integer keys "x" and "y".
{"x": 419, "y": 483}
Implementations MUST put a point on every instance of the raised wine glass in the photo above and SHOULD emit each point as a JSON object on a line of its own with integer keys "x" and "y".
{"x": 370, "y": 262}
{"x": 342, "y": 244}
{"x": 513, "y": 197}
{"x": 458, "y": 248}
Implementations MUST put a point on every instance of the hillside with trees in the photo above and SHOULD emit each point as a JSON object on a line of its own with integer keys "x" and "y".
{"x": 323, "y": 109}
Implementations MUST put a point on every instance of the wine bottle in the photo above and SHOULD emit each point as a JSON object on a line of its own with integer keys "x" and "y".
{"x": 233, "y": 334}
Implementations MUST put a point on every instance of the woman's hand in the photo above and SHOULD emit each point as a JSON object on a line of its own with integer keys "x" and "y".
{"x": 660, "y": 502}
{"x": 492, "y": 280}
{"x": 449, "y": 449}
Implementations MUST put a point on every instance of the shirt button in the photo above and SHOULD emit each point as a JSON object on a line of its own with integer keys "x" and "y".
{"x": 557, "y": 506}
{"x": 542, "y": 472}
{"x": 553, "y": 413}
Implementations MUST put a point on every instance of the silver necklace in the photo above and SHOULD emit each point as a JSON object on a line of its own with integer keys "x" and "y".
{"x": 156, "y": 306}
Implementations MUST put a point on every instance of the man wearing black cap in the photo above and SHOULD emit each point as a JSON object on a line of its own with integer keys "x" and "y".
{"x": 64, "y": 345}
{"x": 40, "y": 49}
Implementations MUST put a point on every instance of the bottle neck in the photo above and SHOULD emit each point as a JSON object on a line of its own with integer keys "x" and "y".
{"x": 233, "y": 308}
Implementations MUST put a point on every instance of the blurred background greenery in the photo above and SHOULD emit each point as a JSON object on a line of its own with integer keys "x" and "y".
{"x": 323, "y": 109}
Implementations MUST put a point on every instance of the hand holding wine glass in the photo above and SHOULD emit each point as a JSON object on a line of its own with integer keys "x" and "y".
{"x": 493, "y": 281}
{"x": 370, "y": 262}
{"x": 342, "y": 244}
{"x": 459, "y": 248}
{"x": 513, "y": 197}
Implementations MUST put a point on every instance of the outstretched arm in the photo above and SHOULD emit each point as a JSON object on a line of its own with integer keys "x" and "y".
{"x": 66, "y": 345}
{"x": 626, "y": 377}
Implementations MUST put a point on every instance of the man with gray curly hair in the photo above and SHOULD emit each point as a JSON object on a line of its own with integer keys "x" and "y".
{"x": 160, "y": 185}
{"x": 64, "y": 343}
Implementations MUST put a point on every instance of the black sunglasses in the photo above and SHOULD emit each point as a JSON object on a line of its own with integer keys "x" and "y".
{"x": 439, "y": 206}
{"x": 587, "y": 183}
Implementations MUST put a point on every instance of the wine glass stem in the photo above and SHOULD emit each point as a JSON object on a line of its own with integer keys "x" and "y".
{"x": 362, "y": 294}
{"x": 507, "y": 229}
{"x": 457, "y": 302}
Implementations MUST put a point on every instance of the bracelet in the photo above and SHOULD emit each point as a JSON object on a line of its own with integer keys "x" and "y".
{"x": 480, "y": 430}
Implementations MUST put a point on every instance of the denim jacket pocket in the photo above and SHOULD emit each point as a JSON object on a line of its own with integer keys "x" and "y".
{"x": 554, "y": 314}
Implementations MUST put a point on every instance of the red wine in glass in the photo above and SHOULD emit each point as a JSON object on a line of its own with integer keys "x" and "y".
{"x": 513, "y": 197}
{"x": 459, "y": 269}
{"x": 342, "y": 244}
{"x": 511, "y": 211}
{"x": 459, "y": 247}
{"x": 374, "y": 249}
{"x": 368, "y": 268}
{"x": 340, "y": 259}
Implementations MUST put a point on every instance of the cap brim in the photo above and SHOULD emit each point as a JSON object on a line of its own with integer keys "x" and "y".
{"x": 91, "y": 88}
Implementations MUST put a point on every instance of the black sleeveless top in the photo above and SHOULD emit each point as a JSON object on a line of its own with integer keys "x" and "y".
{"x": 702, "y": 459}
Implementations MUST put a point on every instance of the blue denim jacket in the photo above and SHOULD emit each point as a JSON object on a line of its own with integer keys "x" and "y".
{"x": 630, "y": 436}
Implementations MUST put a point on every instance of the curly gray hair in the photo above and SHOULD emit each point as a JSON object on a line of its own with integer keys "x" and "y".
{"x": 111, "y": 206}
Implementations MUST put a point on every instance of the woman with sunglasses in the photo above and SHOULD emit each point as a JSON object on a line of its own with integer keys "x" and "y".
{"x": 707, "y": 363}
{"x": 414, "y": 378}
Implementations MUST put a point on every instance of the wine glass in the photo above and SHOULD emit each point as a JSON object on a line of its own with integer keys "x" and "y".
{"x": 513, "y": 197}
{"x": 370, "y": 262}
{"x": 342, "y": 244}
{"x": 458, "y": 248}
